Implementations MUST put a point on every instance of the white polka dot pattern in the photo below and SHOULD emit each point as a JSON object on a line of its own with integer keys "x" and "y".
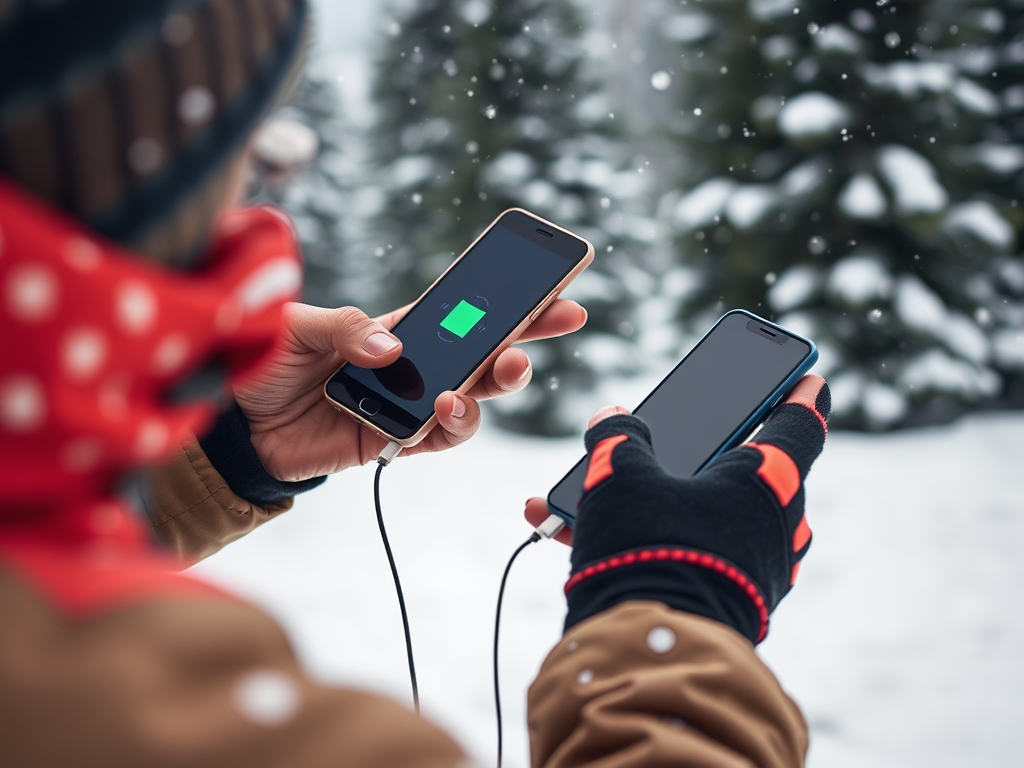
{"x": 83, "y": 353}
{"x": 196, "y": 105}
{"x": 585, "y": 677}
{"x": 281, "y": 277}
{"x": 31, "y": 293}
{"x": 136, "y": 308}
{"x": 84, "y": 255}
{"x": 661, "y": 639}
{"x": 92, "y": 338}
{"x": 22, "y": 404}
{"x": 151, "y": 439}
{"x": 170, "y": 354}
{"x": 267, "y": 697}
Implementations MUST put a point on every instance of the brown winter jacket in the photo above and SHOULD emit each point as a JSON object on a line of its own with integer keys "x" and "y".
{"x": 207, "y": 680}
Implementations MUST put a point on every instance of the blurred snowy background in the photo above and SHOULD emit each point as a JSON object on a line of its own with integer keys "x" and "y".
{"x": 851, "y": 169}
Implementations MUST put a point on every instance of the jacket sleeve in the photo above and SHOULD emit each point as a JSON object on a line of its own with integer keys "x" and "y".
{"x": 190, "y": 679}
{"x": 644, "y": 685}
{"x": 194, "y": 511}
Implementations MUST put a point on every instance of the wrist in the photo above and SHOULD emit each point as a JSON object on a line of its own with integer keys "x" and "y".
{"x": 228, "y": 445}
{"x": 682, "y": 578}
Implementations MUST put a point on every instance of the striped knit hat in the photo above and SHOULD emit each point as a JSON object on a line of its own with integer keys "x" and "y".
{"x": 127, "y": 114}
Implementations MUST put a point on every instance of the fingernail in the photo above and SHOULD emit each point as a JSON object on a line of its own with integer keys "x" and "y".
{"x": 526, "y": 374}
{"x": 380, "y": 343}
{"x": 458, "y": 408}
{"x": 604, "y": 413}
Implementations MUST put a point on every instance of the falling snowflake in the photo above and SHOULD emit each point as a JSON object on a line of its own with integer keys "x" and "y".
{"x": 661, "y": 80}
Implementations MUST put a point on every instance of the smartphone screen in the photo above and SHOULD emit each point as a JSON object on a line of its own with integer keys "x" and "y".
{"x": 712, "y": 399}
{"x": 460, "y": 321}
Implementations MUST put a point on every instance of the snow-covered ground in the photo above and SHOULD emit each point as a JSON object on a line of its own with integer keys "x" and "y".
{"x": 902, "y": 642}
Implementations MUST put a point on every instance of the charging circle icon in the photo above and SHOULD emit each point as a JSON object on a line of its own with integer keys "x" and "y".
{"x": 463, "y": 318}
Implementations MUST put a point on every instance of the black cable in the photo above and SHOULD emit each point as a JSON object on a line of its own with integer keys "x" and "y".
{"x": 535, "y": 537}
{"x": 398, "y": 588}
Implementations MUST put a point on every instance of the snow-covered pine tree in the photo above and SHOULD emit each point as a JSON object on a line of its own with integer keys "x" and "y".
{"x": 855, "y": 171}
{"x": 320, "y": 194}
{"x": 487, "y": 105}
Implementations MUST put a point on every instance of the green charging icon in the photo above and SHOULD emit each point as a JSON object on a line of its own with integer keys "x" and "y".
{"x": 463, "y": 319}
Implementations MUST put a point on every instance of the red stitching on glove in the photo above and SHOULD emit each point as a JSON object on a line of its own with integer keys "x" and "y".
{"x": 692, "y": 556}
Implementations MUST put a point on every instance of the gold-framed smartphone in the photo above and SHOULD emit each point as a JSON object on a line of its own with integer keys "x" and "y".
{"x": 454, "y": 332}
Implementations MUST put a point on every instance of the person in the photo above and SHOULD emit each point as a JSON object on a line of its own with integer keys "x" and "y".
{"x": 134, "y": 294}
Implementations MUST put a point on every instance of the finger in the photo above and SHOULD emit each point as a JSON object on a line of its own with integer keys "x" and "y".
{"x": 346, "y": 331}
{"x": 604, "y": 413}
{"x": 536, "y": 512}
{"x": 812, "y": 392}
{"x": 510, "y": 373}
{"x": 798, "y": 427}
{"x": 618, "y": 443}
{"x": 458, "y": 418}
{"x": 561, "y": 317}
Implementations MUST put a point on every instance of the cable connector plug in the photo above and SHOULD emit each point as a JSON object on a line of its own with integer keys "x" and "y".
{"x": 550, "y": 527}
{"x": 389, "y": 453}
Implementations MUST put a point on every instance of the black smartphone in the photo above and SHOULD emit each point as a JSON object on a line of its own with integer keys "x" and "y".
{"x": 459, "y": 326}
{"x": 712, "y": 399}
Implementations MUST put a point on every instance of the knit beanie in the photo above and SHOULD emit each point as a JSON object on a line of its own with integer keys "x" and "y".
{"x": 127, "y": 114}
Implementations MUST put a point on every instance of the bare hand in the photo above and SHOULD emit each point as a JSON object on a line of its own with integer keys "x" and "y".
{"x": 298, "y": 434}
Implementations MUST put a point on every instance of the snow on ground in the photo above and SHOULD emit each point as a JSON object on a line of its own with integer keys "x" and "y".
{"x": 902, "y": 642}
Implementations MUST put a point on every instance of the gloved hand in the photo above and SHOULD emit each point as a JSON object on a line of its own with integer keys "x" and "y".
{"x": 725, "y": 544}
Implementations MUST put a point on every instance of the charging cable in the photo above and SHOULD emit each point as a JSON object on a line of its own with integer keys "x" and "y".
{"x": 546, "y": 530}
{"x": 386, "y": 457}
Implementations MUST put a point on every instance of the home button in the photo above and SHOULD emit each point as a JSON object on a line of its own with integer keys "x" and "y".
{"x": 369, "y": 406}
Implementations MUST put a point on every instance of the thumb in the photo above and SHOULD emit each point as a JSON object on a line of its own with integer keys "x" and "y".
{"x": 617, "y": 443}
{"x": 799, "y": 425}
{"x": 607, "y": 412}
{"x": 346, "y": 331}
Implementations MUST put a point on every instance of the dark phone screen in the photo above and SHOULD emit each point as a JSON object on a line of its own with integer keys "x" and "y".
{"x": 460, "y": 321}
{"x": 715, "y": 389}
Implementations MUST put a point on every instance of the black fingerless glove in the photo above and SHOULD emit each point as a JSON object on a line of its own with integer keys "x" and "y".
{"x": 228, "y": 446}
{"x": 726, "y": 544}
